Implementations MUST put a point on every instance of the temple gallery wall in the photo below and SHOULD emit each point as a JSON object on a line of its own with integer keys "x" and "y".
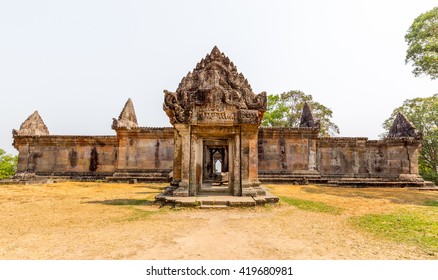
{"x": 216, "y": 144}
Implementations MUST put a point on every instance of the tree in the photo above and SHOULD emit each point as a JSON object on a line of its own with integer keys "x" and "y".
{"x": 423, "y": 114}
{"x": 422, "y": 39}
{"x": 8, "y": 164}
{"x": 284, "y": 110}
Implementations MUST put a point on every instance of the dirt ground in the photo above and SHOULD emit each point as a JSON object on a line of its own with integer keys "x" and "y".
{"x": 119, "y": 221}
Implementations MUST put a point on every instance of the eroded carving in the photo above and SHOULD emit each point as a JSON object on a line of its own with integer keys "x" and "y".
{"x": 33, "y": 125}
{"x": 214, "y": 83}
{"x": 127, "y": 118}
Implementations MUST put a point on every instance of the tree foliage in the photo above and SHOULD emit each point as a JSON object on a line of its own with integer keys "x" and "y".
{"x": 8, "y": 164}
{"x": 284, "y": 110}
{"x": 423, "y": 114}
{"x": 422, "y": 39}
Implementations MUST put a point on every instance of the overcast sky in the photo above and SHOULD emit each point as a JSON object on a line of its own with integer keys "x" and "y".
{"x": 77, "y": 62}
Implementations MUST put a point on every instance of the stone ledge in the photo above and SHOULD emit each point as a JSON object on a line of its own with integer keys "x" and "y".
{"x": 217, "y": 201}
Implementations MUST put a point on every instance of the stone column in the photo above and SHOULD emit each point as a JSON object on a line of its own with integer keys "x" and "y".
{"x": 177, "y": 157}
{"x": 235, "y": 180}
{"x": 413, "y": 151}
{"x": 195, "y": 165}
{"x": 123, "y": 150}
{"x": 311, "y": 145}
{"x": 184, "y": 136}
{"x": 249, "y": 161}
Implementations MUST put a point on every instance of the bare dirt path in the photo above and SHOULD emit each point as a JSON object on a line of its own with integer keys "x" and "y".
{"x": 117, "y": 221}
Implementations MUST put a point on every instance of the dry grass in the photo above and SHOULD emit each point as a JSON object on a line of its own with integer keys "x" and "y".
{"x": 120, "y": 221}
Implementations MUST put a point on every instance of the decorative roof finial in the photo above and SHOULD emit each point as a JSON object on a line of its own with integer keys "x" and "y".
{"x": 402, "y": 127}
{"x": 215, "y": 51}
{"x": 127, "y": 118}
{"x": 307, "y": 119}
{"x": 33, "y": 125}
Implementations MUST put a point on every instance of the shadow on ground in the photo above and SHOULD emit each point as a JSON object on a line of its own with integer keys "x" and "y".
{"x": 152, "y": 187}
{"x": 123, "y": 202}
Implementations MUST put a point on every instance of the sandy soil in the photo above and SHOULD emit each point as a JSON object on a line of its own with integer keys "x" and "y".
{"x": 119, "y": 221}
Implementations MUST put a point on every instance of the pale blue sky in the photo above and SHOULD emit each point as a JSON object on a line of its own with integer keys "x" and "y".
{"x": 77, "y": 62}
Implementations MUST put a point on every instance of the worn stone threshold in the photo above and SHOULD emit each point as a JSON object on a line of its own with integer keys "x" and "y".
{"x": 217, "y": 201}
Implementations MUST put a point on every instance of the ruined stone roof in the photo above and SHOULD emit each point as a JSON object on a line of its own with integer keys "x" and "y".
{"x": 33, "y": 125}
{"x": 214, "y": 82}
{"x": 402, "y": 127}
{"x": 307, "y": 119}
{"x": 127, "y": 118}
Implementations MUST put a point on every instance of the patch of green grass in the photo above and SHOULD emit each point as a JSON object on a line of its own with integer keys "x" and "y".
{"x": 143, "y": 214}
{"x": 313, "y": 206}
{"x": 139, "y": 214}
{"x": 407, "y": 227}
{"x": 431, "y": 203}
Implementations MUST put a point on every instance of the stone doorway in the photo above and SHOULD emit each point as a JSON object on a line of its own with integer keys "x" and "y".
{"x": 215, "y": 166}
{"x": 216, "y": 116}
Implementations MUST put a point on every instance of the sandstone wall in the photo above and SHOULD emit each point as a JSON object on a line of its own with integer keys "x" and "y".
{"x": 360, "y": 157}
{"x": 145, "y": 149}
{"x": 281, "y": 152}
{"x": 287, "y": 149}
{"x": 66, "y": 155}
{"x": 140, "y": 149}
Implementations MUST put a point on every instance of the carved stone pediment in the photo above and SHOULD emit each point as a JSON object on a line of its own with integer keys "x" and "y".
{"x": 216, "y": 85}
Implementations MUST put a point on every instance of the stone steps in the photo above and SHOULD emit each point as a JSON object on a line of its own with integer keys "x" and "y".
{"x": 429, "y": 184}
{"x": 213, "y": 206}
{"x": 213, "y": 203}
{"x": 217, "y": 201}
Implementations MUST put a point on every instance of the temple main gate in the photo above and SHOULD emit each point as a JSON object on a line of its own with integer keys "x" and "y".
{"x": 216, "y": 118}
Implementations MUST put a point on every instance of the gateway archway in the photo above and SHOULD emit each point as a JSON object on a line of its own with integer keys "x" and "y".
{"x": 216, "y": 118}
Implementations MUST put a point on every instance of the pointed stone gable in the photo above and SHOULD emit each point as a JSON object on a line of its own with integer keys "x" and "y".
{"x": 307, "y": 119}
{"x": 214, "y": 83}
{"x": 127, "y": 118}
{"x": 33, "y": 125}
{"x": 401, "y": 127}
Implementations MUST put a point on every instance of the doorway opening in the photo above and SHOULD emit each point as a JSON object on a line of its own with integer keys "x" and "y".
{"x": 215, "y": 164}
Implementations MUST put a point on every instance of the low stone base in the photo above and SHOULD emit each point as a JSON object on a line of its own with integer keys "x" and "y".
{"x": 216, "y": 201}
{"x": 143, "y": 176}
{"x": 376, "y": 182}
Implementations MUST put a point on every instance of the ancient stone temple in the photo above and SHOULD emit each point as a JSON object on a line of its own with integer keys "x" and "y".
{"x": 216, "y": 117}
{"x": 217, "y": 146}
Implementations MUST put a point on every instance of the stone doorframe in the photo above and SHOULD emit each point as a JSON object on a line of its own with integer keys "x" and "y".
{"x": 242, "y": 156}
{"x": 214, "y": 149}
